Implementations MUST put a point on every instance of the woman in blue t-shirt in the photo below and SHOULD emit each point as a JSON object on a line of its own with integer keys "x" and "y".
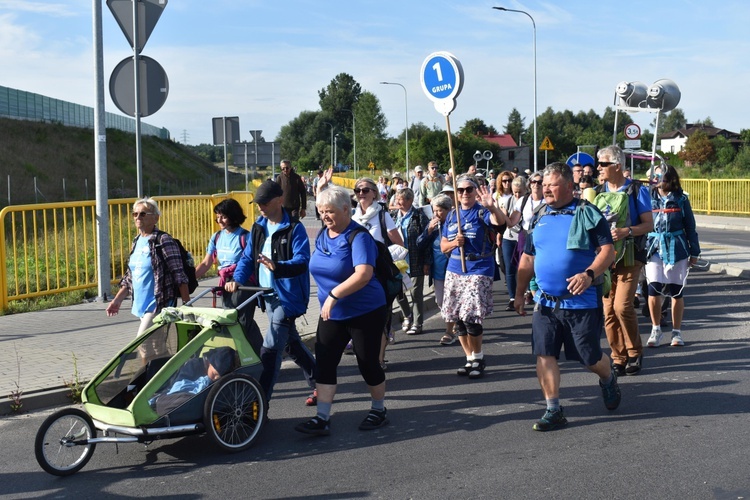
{"x": 225, "y": 250}
{"x": 468, "y": 294}
{"x": 352, "y": 306}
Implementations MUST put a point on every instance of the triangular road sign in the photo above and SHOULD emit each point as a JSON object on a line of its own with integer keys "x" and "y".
{"x": 149, "y": 12}
{"x": 546, "y": 145}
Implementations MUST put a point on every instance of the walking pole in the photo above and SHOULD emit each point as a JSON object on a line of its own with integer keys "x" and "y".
{"x": 442, "y": 79}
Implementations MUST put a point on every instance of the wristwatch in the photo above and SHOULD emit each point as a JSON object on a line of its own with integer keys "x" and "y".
{"x": 630, "y": 231}
{"x": 590, "y": 274}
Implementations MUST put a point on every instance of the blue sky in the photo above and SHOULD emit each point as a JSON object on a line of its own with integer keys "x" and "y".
{"x": 265, "y": 61}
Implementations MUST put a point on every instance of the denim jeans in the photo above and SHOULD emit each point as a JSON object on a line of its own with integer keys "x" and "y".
{"x": 509, "y": 247}
{"x": 282, "y": 335}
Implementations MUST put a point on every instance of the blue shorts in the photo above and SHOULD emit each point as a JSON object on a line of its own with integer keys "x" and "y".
{"x": 579, "y": 330}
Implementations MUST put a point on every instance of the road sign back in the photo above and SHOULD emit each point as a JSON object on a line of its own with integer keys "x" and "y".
{"x": 152, "y": 82}
{"x": 149, "y": 12}
{"x": 546, "y": 145}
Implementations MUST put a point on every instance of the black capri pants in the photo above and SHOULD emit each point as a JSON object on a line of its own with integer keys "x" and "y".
{"x": 365, "y": 331}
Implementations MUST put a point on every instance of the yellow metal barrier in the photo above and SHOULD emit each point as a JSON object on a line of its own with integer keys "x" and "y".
{"x": 699, "y": 191}
{"x": 51, "y": 248}
{"x": 729, "y": 196}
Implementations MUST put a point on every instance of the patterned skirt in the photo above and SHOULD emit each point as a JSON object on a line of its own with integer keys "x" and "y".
{"x": 466, "y": 297}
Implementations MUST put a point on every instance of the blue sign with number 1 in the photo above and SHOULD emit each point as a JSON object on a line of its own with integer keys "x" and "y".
{"x": 440, "y": 78}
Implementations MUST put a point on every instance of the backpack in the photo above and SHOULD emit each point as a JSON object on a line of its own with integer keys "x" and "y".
{"x": 383, "y": 229}
{"x": 188, "y": 264}
{"x": 387, "y": 273}
{"x": 615, "y": 206}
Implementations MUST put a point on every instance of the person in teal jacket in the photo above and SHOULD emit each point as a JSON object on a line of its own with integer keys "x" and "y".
{"x": 278, "y": 253}
{"x": 672, "y": 248}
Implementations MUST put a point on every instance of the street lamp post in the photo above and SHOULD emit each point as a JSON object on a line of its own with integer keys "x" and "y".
{"x": 331, "y": 125}
{"x": 354, "y": 138}
{"x": 533, "y": 23}
{"x": 335, "y": 152}
{"x": 406, "y": 113}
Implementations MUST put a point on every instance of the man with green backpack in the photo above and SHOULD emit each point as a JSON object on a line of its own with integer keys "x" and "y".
{"x": 627, "y": 205}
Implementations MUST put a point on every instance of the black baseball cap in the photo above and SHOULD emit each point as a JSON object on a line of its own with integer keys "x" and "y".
{"x": 267, "y": 192}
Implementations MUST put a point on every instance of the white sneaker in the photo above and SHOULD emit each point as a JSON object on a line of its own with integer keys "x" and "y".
{"x": 655, "y": 339}
{"x": 677, "y": 339}
{"x": 406, "y": 324}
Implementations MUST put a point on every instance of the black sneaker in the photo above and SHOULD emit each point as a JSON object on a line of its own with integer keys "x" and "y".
{"x": 552, "y": 419}
{"x": 464, "y": 370}
{"x": 511, "y": 305}
{"x": 619, "y": 369}
{"x": 611, "y": 393}
{"x": 477, "y": 368}
{"x": 315, "y": 426}
{"x": 634, "y": 365}
{"x": 374, "y": 420}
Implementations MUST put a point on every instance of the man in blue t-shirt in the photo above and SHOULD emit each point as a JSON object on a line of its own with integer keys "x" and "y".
{"x": 568, "y": 248}
{"x": 620, "y": 318}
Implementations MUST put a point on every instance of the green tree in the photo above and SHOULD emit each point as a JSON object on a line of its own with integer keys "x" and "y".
{"x": 698, "y": 150}
{"x": 515, "y": 126}
{"x": 724, "y": 152}
{"x": 372, "y": 144}
{"x": 476, "y": 126}
{"x": 674, "y": 120}
{"x": 299, "y": 137}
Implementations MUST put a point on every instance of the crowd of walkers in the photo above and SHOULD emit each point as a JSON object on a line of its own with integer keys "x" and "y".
{"x": 573, "y": 247}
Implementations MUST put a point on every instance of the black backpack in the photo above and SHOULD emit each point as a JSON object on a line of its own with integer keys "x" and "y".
{"x": 188, "y": 264}
{"x": 386, "y": 271}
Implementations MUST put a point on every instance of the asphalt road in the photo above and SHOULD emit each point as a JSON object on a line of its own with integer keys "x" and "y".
{"x": 679, "y": 432}
{"x": 724, "y": 237}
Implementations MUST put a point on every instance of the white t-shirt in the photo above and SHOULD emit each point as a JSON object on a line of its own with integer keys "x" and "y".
{"x": 528, "y": 212}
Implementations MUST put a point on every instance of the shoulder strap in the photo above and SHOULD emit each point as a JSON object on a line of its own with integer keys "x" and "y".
{"x": 523, "y": 203}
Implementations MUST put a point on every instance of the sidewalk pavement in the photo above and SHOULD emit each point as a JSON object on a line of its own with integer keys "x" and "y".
{"x": 40, "y": 346}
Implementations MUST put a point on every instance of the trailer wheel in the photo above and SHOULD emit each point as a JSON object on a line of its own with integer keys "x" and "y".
{"x": 235, "y": 412}
{"x": 62, "y": 443}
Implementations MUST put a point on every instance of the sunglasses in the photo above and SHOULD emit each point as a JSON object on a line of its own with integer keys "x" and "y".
{"x": 362, "y": 190}
{"x": 606, "y": 163}
{"x": 141, "y": 215}
{"x": 535, "y": 182}
{"x": 505, "y": 180}
{"x": 467, "y": 190}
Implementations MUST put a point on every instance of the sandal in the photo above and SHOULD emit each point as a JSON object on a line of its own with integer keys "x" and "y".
{"x": 374, "y": 420}
{"x": 312, "y": 399}
{"x": 448, "y": 339}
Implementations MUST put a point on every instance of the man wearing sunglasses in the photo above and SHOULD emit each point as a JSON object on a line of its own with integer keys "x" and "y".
{"x": 620, "y": 319}
{"x": 295, "y": 192}
{"x": 432, "y": 184}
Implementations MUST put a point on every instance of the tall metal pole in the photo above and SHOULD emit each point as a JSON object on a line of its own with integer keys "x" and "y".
{"x": 533, "y": 23}
{"x": 406, "y": 114}
{"x": 137, "y": 108}
{"x": 354, "y": 138}
{"x": 226, "y": 161}
{"x": 331, "y": 125}
{"x": 100, "y": 158}
{"x": 335, "y": 152}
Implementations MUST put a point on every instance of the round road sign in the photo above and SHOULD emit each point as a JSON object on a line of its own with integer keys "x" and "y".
{"x": 632, "y": 131}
